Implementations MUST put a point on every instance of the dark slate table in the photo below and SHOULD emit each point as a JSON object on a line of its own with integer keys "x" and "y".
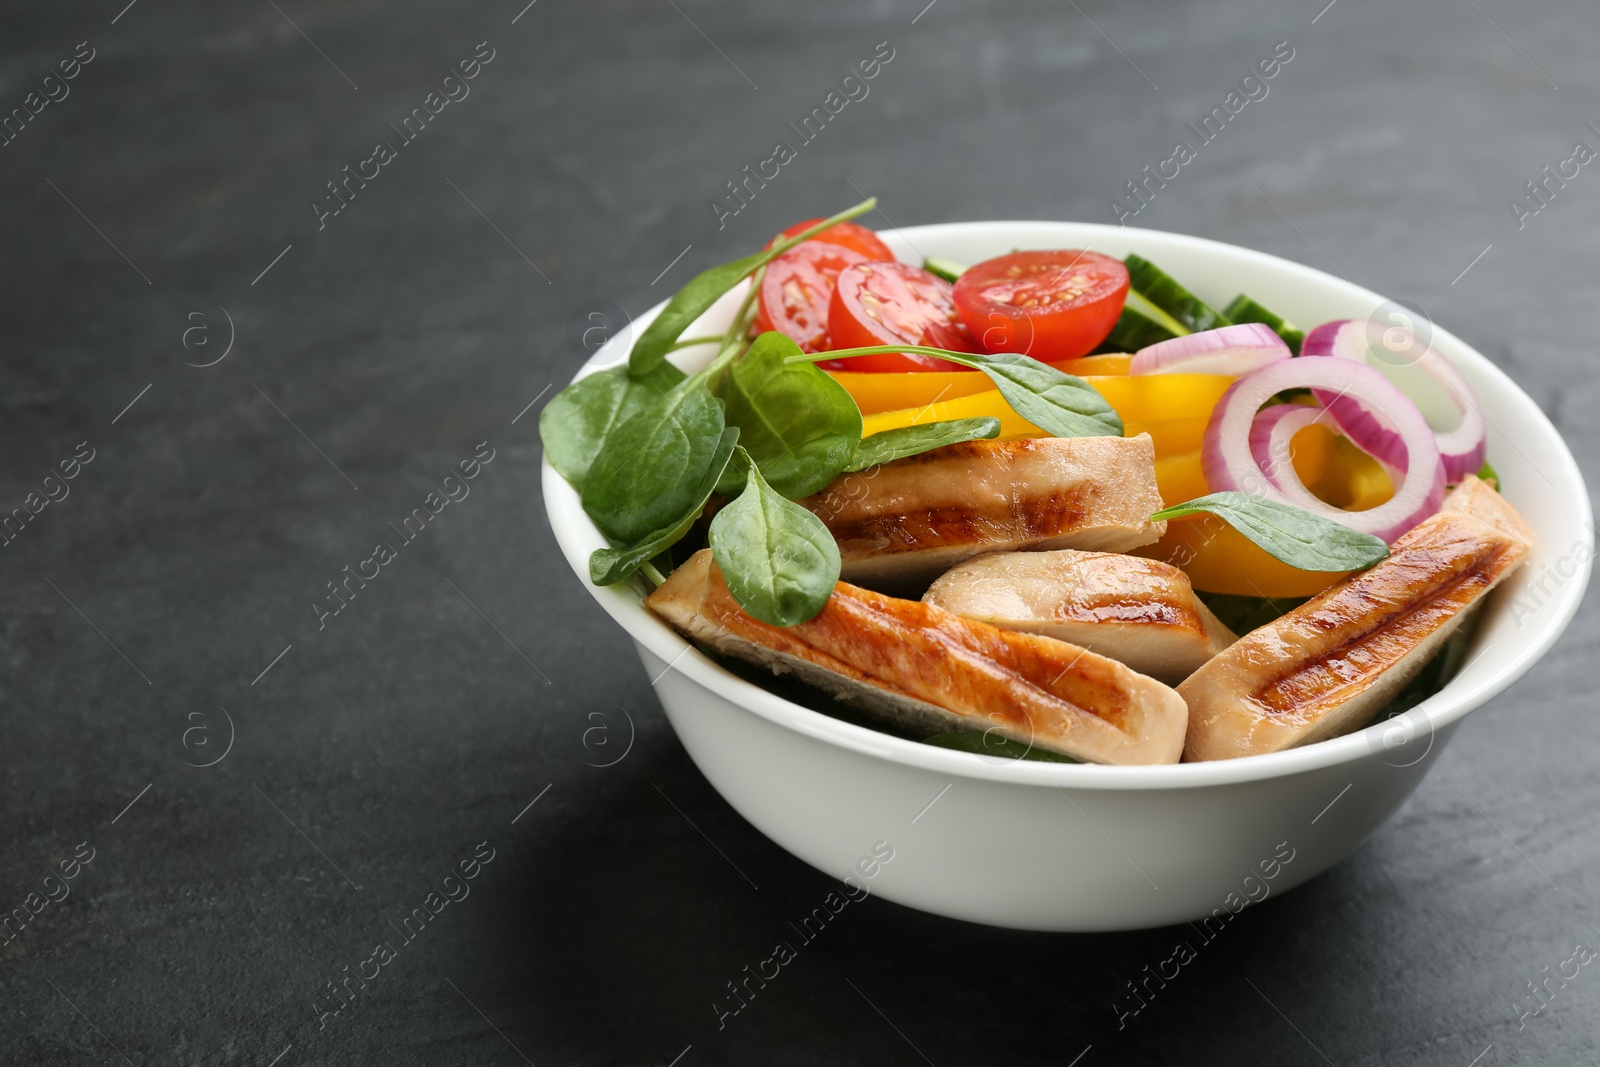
{"x": 266, "y": 376}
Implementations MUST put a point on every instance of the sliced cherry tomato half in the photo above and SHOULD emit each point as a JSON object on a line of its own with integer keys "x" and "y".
{"x": 847, "y": 234}
{"x": 1049, "y": 305}
{"x": 797, "y": 289}
{"x": 895, "y": 303}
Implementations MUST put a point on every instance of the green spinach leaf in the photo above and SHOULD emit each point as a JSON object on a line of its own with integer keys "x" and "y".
{"x": 799, "y": 425}
{"x": 1290, "y": 534}
{"x": 1059, "y": 404}
{"x": 607, "y": 566}
{"x": 707, "y": 287}
{"x": 735, "y": 475}
{"x": 575, "y": 423}
{"x": 779, "y": 560}
{"x": 903, "y": 441}
{"x": 647, "y": 473}
{"x": 1241, "y": 614}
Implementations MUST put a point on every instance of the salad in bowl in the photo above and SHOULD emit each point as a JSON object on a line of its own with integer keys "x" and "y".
{"x": 1050, "y": 505}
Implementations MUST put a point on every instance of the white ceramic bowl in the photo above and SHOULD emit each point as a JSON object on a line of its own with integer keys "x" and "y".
{"x": 1046, "y": 846}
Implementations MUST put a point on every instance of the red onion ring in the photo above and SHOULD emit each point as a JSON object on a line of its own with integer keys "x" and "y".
{"x": 1228, "y": 350}
{"x": 1462, "y": 449}
{"x": 1230, "y": 464}
{"x": 1271, "y": 435}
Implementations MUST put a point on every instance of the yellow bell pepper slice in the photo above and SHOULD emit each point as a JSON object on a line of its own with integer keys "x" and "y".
{"x": 1172, "y": 437}
{"x": 1353, "y": 480}
{"x": 1180, "y": 478}
{"x": 1109, "y": 363}
{"x": 1151, "y": 397}
{"x": 874, "y": 393}
{"x": 1219, "y": 559}
{"x": 1172, "y": 408}
{"x": 1370, "y": 485}
{"x": 966, "y": 407}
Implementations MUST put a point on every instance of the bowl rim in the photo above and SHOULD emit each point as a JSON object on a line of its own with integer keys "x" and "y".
{"x": 1443, "y": 709}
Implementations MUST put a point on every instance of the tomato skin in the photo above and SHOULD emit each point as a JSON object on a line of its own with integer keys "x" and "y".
{"x": 1052, "y": 305}
{"x": 890, "y": 303}
{"x": 847, "y": 234}
{"x": 798, "y": 288}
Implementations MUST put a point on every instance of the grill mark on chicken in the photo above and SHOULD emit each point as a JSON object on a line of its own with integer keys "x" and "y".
{"x": 935, "y": 669}
{"x": 1025, "y": 517}
{"x": 1154, "y": 613}
{"x": 906, "y": 532}
{"x": 901, "y": 524}
{"x": 1330, "y": 665}
{"x": 1041, "y": 516}
{"x": 1375, "y": 649}
{"x": 1139, "y": 611}
{"x": 903, "y": 644}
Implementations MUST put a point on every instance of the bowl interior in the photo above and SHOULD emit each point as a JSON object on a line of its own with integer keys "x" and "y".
{"x": 1521, "y": 621}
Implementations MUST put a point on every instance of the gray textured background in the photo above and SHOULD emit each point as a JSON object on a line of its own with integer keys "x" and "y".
{"x": 379, "y": 751}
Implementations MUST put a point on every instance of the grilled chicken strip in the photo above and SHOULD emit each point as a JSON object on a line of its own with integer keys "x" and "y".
{"x": 1140, "y": 611}
{"x": 1328, "y": 666}
{"x": 922, "y": 668}
{"x": 904, "y": 523}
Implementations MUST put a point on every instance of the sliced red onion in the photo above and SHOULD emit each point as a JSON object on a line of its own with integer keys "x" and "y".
{"x": 1462, "y": 449}
{"x": 1230, "y": 464}
{"x": 1229, "y": 350}
{"x": 1346, "y": 338}
{"x": 1271, "y": 435}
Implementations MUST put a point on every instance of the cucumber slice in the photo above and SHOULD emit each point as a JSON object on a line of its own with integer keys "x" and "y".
{"x": 1139, "y": 303}
{"x": 1243, "y": 309}
{"x": 1141, "y": 324}
{"x": 948, "y": 269}
{"x": 1157, "y": 286}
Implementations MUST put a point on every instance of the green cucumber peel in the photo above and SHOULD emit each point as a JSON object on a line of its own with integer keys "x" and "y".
{"x": 948, "y": 269}
{"x": 1160, "y": 289}
{"x": 1136, "y": 302}
{"x": 1244, "y": 309}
